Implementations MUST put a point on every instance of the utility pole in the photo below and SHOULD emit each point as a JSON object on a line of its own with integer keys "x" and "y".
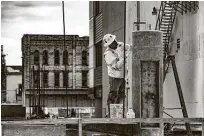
{"x": 124, "y": 70}
{"x": 65, "y": 65}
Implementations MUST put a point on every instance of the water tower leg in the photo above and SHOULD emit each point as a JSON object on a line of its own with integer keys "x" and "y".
{"x": 147, "y": 80}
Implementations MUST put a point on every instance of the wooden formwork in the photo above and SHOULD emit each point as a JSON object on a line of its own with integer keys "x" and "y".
{"x": 82, "y": 121}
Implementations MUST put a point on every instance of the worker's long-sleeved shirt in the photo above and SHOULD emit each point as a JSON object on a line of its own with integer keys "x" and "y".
{"x": 115, "y": 60}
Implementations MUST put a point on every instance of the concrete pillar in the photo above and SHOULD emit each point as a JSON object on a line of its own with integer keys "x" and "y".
{"x": 147, "y": 79}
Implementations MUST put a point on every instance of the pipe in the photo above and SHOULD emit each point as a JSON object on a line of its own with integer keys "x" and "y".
{"x": 67, "y": 56}
{"x": 124, "y": 59}
{"x": 138, "y": 15}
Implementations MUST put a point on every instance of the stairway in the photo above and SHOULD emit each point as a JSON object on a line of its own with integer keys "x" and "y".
{"x": 165, "y": 22}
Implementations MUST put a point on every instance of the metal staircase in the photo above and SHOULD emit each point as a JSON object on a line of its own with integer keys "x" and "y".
{"x": 165, "y": 23}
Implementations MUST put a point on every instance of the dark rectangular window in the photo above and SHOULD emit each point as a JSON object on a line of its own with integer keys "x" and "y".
{"x": 35, "y": 79}
{"x": 36, "y": 57}
{"x": 98, "y": 50}
{"x": 84, "y": 78}
{"x": 65, "y": 79}
{"x": 57, "y": 57}
{"x": 84, "y": 58}
{"x": 45, "y": 79}
{"x": 57, "y": 79}
{"x": 19, "y": 89}
{"x": 96, "y": 7}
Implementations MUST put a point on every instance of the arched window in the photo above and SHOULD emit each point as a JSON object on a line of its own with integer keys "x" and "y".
{"x": 57, "y": 57}
{"x": 65, "y": 57}
{"x": 45, "y": 57}
{"x": 36, "y": 57}
{"x": 84, "y": 58}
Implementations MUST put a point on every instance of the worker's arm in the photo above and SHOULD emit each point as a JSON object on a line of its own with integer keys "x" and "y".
{"x": 113, "y": 61}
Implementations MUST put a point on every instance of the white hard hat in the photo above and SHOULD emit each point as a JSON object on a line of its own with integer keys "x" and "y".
{"x": 108, "y": 39}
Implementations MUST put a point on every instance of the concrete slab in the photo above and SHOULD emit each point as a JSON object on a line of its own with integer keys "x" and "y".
{"x": 33, "y": 130}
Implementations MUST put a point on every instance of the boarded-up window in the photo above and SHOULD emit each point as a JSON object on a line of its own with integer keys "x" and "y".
{"x": 36, "y": 57}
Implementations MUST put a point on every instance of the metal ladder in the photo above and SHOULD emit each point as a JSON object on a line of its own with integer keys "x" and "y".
{"x": 165, "y": 22}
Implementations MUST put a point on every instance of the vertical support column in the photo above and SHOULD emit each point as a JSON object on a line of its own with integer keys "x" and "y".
{"x": 147, "y": 79}
{"x": 203, "y": 127}
{"x": 80, "y": 126}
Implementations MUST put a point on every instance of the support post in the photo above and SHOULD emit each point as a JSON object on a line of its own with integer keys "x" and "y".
{"x": 80, "y": 126}
{"x": 203, "y": 127}
{"x": 147, "y": 80}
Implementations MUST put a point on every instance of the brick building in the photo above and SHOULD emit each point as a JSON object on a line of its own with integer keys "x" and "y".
{"x": 45, "y": 63}
{"x": 3, "y": 76}
{"x": 14, "y": 84}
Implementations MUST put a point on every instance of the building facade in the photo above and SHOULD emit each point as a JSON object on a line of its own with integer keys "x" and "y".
{"x": 186, "y": 44}
{"x": 3, "y": 76}
{"x": 57, "y": 71}
{"x": 14, "y": 84}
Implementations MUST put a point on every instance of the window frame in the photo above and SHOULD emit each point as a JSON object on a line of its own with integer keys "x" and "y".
{"x": 57, "y": 80}
{"x": 36, "y": 57}
{"x": 84, "y": 75}
{"x": 84, "y": 58}
{"x": 35, "y": 79}
{"x": 65, "y": 58}
{"x": 57, "y": 57}
{"x": 45, "y": 57}
{"x": 67, "y": 73}
{"x": 47, "y": 79}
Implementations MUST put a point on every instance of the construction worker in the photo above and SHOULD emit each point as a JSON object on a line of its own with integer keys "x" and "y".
{"x": 114, "y": 58}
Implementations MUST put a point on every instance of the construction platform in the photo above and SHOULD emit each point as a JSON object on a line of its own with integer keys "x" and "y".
{"x": 85, "y": 121}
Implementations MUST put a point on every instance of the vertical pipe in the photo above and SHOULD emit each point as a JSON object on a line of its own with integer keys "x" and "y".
{"x": 138, "y": 15}
{"x": 66, "y": 56}
{"x": 203, "y": 127}
{"x": 124, "y": 59}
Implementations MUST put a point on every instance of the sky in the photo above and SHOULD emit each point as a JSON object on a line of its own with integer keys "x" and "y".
{"x": 38, "y": 17}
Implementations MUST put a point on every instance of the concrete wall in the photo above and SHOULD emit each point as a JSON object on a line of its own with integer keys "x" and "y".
{"x": 131, "y": 17}
{"x": 91, "y": 48}
{"x": 190, "y": 64}
{"x": 189, "y": 58}
{"x": 40, "y": 130}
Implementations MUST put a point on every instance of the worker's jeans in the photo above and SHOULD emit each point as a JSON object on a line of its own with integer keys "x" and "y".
{"x": 117, "y": 88}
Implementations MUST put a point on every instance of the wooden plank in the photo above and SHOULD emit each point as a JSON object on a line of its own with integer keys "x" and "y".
{"x": 101, "y": 121}
{"x": 180, "y": 93}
